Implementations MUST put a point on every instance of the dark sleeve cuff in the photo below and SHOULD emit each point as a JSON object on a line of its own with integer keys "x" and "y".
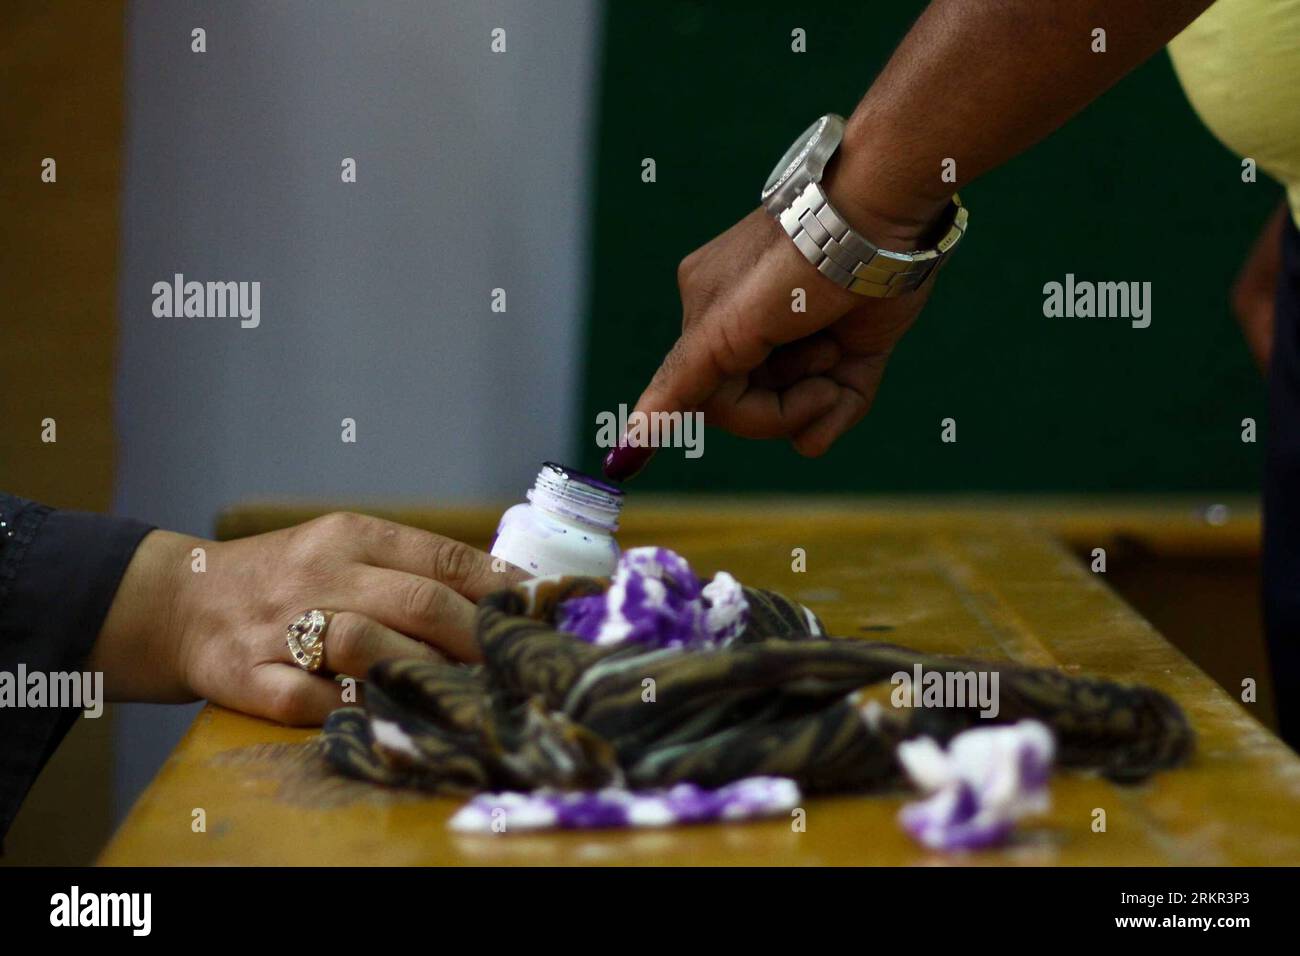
{"x": 59, "y": 572}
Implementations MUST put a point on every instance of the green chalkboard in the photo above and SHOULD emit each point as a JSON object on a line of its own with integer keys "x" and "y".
{"x": 1134, "y": 189}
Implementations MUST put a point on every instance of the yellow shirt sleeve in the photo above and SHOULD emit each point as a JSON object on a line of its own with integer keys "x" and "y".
{"x": 1239, "y": 64}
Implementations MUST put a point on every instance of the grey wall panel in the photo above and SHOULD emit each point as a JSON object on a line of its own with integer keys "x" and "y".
{"x": 472, "y": 172}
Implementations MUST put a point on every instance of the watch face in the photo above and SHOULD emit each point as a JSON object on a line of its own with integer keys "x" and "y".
{"x": 794, "y": 156}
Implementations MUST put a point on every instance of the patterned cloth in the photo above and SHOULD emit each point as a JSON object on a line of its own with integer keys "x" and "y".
{"x": 551, "y": 710}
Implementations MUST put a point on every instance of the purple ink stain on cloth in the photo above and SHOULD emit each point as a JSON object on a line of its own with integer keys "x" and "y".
{"x": 985, "y": 781}
{"x": 656, "y": 600}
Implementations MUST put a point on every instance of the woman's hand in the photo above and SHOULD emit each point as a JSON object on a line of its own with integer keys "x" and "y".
{"x": 175, "y": 633}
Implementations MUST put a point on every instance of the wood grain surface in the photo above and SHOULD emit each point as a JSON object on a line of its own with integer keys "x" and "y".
{"x": 978, "y": 581}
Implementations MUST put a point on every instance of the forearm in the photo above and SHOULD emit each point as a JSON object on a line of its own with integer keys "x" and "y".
{"x": 138, "y": 648}
{"x": 978, "y": 83}
{"x": 1255, "y": 288}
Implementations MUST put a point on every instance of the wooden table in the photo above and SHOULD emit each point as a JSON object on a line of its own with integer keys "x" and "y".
{"x": 984, "y": 580}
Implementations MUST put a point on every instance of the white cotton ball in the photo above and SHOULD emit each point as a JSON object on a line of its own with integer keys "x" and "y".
{"x": 471, "y": 818}
{"x": 926, "y": 763}
{"x": 650, "y": 812}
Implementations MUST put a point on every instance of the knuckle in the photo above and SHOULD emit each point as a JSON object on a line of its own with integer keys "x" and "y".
{"x": 731, "y": 353}
{"x": 314, "y": 551}
{"x": 338, "y": 524}
{"x": 453, "y": 561}
{"x": 346, "y": 636}
{"x": 424, "y": 600}
{"x": 685, "y": 268}
{"x": 288, "y": 703}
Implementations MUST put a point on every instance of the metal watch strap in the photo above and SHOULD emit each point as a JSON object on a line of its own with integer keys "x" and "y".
{"x": 795, "y": 198}
{"x": 855, "y": 263}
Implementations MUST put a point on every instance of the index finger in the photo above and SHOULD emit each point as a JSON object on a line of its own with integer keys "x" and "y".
{"x": 741, "y": 324}
{"x": 686, "y": 378}
{"x": 468, "y": 571}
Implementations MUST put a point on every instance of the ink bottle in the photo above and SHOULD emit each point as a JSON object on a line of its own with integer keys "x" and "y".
{"x": 566, "y": 527}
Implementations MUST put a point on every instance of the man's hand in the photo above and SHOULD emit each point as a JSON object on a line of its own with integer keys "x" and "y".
{"x": 970, "y": 86}
{"x": 756, "y": 366}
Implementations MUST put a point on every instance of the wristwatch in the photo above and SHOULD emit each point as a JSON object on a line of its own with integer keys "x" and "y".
{"x": 794, "y": 197}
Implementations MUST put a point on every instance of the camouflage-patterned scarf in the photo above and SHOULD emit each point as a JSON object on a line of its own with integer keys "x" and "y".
{"x": 548, "y": 709}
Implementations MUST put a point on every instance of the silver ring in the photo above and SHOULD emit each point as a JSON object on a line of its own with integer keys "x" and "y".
{"x": 306, "y": 639}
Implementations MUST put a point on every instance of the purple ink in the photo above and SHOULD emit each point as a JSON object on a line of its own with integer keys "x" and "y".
{"x": 626, "y": 461}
